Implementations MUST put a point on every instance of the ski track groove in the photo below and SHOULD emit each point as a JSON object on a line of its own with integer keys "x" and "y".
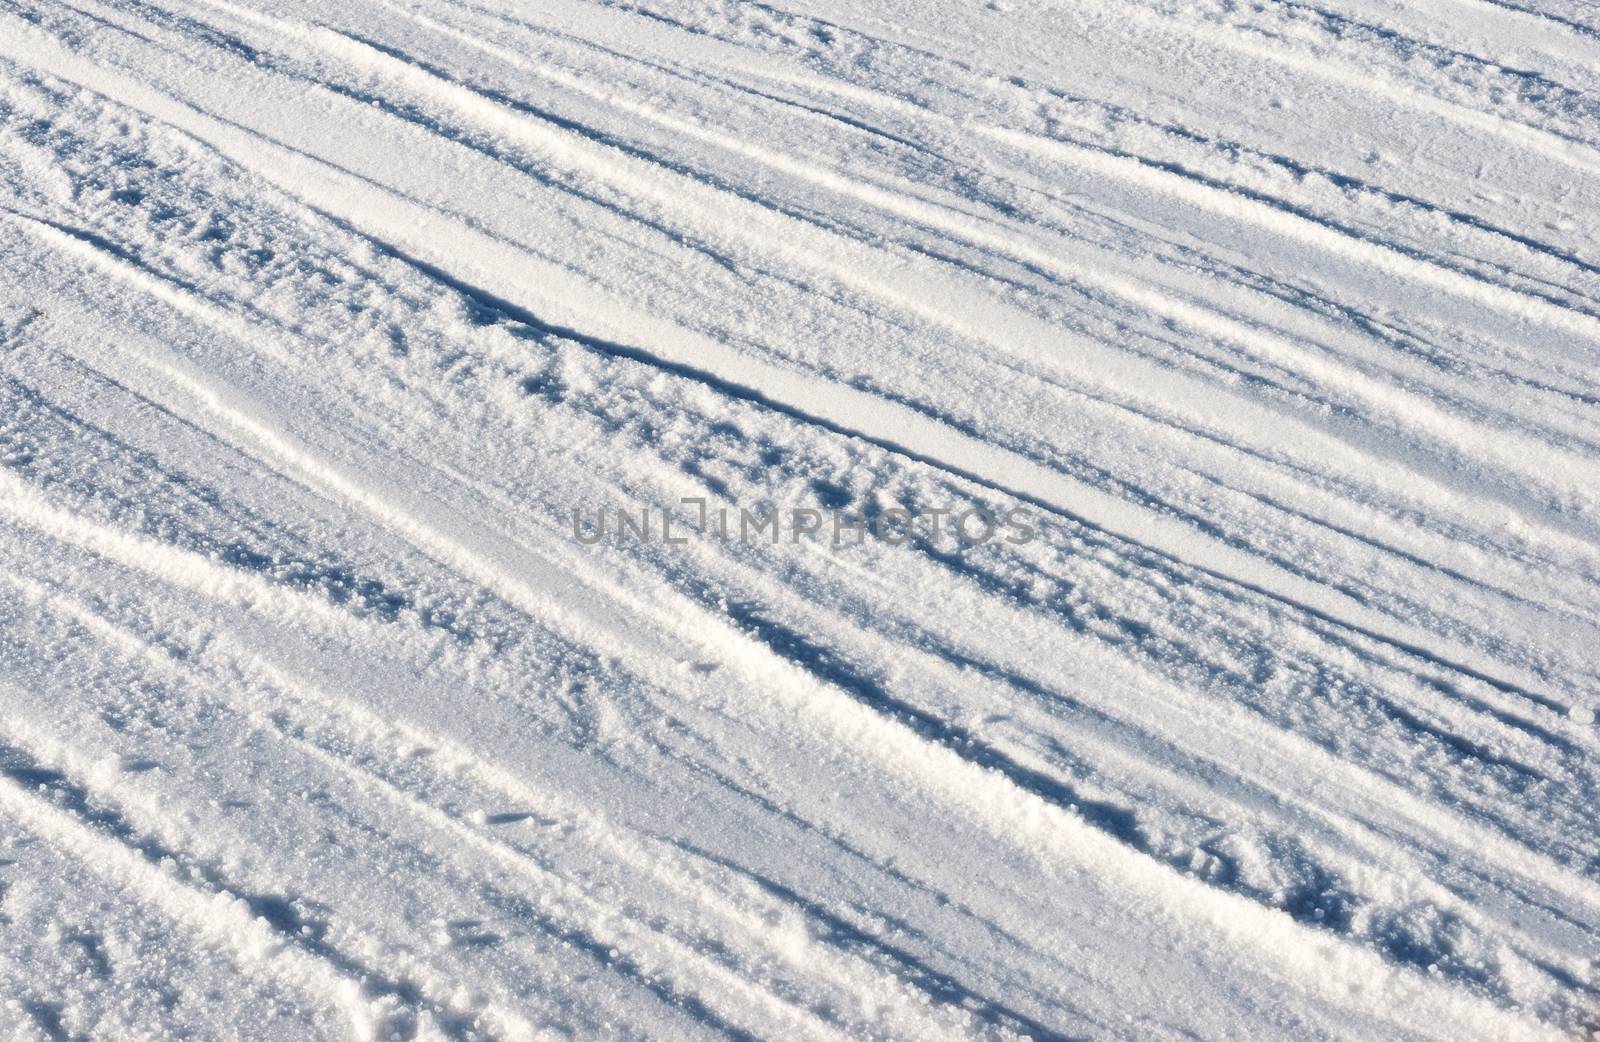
{"x": 1025, "y": 480}
{"x": 1026, "y": 815}
{"x": 268, "y": 695}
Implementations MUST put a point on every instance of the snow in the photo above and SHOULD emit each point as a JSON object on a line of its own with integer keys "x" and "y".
{"x": 1278, "y": 325}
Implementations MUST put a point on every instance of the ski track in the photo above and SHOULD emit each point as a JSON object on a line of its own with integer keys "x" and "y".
{"x": 317, "y": 322}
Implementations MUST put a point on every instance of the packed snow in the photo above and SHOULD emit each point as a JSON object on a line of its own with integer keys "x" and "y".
{"x": 1171, "y": 430}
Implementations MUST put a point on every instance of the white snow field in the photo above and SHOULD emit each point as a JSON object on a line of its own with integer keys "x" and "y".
{"x": 1278, "y": 323}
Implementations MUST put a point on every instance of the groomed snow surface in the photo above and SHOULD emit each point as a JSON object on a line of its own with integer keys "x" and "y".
{"x": 1280, "y": 320}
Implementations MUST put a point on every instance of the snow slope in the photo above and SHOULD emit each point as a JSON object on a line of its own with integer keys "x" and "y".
{"x": 318, "y": 321}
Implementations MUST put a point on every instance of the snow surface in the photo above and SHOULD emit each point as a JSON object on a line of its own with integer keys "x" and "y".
{"x": 318, "y": 321}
